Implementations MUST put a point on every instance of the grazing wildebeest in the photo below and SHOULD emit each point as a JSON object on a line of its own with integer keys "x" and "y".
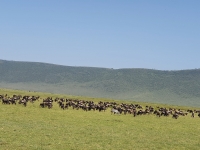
{"x": 23, "y": 101}
{"x": 192, "y": 114}
{"x": 1, "y": 96}
{"x": 157, "y": 113}
{"x": 46, "y": 104}
{"x": 102, "y": 108}
{"x": 5, "y": 101}
{"x": 175, "y": 116}
{"x": 134, "y": 109}
{"x": 140, "y": 112}
{"x": 134, "y": 112}
{"x": 12, "y": 101}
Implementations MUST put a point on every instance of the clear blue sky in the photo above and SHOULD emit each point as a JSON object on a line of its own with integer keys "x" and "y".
{"x": 153, "y": 34}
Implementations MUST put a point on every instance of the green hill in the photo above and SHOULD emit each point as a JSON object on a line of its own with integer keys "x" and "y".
{"x": 147, "y": 85}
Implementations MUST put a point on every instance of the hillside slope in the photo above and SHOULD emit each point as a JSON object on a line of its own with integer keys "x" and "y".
{"x": 169, "y": 87}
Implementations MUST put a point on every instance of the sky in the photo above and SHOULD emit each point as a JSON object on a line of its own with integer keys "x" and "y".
{"x": 151, "y": 34}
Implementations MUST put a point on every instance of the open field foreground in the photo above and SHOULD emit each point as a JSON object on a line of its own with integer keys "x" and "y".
{"x": 34, "y": 127}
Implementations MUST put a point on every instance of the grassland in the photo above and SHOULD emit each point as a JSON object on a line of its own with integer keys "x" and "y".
{"x": 137, "y": 84}
{"x": 33, "y": 127}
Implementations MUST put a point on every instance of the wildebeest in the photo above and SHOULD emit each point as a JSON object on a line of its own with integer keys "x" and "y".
{"x": 192, "y": 114}
{"x": 116, "y": 108}
{"x": 46, "y": 104}
{"x": 23, "y": 101}
{"x": 1, "y": 96}
{"x": 175, "y": 116}
{"x": 134, "y": 112}
{"x": 5, "y": 101}
{"x": 157, "y": 113}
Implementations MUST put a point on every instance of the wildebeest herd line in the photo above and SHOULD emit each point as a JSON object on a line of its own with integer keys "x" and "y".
{"x": 122, "y": 108}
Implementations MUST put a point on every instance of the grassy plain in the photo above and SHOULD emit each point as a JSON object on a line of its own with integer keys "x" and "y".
{"x": 178, "y": 87}
{"x": 33, "y": 127}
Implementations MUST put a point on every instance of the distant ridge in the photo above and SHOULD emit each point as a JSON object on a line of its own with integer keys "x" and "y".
{"x": 181, "y": 87}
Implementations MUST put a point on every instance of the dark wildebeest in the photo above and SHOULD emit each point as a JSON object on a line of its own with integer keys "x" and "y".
{"x": 192, "y": 114}
{"x": 46, "y": 104}
{"x": 134, "y": 112}
{"x": 23, "y": 101}
{"x": 5, "y": 101}
{"x": 175, "y": 116}
{"x": 1, "y": 96}
{"x": 157, "y": 113}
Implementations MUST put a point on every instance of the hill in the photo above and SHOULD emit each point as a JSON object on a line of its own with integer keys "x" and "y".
{"x": 168, "y": 87}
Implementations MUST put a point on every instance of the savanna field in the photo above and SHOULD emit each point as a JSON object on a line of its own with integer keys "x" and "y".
{"x": 34, "y": 127}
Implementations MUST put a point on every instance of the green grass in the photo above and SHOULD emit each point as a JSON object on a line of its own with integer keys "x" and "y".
{"x": 33, "y": 127}
{"x": 146, "y": 85}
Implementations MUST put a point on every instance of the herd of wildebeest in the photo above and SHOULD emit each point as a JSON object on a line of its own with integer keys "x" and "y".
{"x": 86, "y": 105}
